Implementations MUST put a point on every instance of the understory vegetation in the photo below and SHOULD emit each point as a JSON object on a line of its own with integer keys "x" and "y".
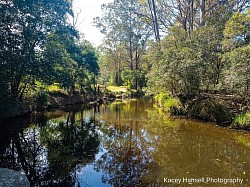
{"x": 168, "y": 103}
{"x": 242, "y": 121}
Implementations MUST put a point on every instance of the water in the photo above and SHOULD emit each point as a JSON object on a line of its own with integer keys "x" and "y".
{"x": 123, "y": 144}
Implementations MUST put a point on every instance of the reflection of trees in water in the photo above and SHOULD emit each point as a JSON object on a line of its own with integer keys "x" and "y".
{"x": 128, "y": 147}
{"x": 142, "y": 152}
{"x": 49, "y": 154}
{"x": 127, "y": 159}
{"x": 141, "y": 147}
{"x": 69, "y": 143}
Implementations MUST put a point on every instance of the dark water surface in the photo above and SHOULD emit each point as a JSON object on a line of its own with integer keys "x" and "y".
{"x": 123, "y": 144}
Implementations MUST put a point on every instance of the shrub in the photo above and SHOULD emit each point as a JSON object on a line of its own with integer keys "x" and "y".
{"x": 161, "y": 98}
{"x": 168, "y": 103}
{"x": 42, "y": 98}
{"x": 242, "y": 121}
{"x": 209, "y": 109}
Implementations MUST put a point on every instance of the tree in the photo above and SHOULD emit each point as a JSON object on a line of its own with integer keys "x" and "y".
{"x": 69, "y": 63}
{"x": 189, "y": 14}
{"x": 191, "y": 58}
{"x": 122, "y": 25}
{"x": 237, "y": 46}
{"x": 152, "y": 7}
{"x": 25, "y": 26}
{"x": 112, "y": 62}
{"x": 177, "y": 67}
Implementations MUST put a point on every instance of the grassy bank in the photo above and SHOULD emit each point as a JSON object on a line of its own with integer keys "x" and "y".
{"x": 124, "y": 92}
{"x": 213, "y": 108}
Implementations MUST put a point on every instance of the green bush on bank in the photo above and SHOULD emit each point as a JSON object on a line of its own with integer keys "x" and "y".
{"x": 161, "y": 98}
{"x": 209, "y": 109}
{"x": 167, "y": 102}
{"x": 242, "y": 121}
{"x": 42, "y": 98}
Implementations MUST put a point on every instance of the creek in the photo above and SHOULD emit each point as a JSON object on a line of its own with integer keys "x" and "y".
{"x": 129, "y": 143}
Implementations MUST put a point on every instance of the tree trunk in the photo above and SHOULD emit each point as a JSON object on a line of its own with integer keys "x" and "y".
{"x": 154, "y": 19}
{"x": 156, "y": 26}
{"x": 202, "y": 13}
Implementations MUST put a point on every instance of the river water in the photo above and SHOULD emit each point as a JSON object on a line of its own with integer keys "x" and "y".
{"x": 123, "y": 144}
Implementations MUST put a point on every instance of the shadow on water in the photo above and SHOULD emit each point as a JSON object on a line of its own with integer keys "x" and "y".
{"x": 121, "y": 144}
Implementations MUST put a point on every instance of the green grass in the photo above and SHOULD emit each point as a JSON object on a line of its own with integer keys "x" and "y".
{"x": 117, "y": 88}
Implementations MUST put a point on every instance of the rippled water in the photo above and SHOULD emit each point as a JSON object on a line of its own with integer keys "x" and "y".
{"x": 123, "y": 144}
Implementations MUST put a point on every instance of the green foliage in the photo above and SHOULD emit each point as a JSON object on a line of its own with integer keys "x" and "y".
{"x": 236, "y": 30}
{"x": 171, "y": 103}
{"x": 132, "y": 77}
{"x": 42, "y": 98}
{"x": 72, "y": 65}
{"x": 214, "y": 57}
{"x": 242, "y": 121}
{"x": 167, "y": 102}
{"x": 178, "y": 66}
{"x": 237, "y": 56}
{"x": 25, "y": 26}
{"x": 126, "y": 36}
{"x": 39, "y": 45}
{"x": 209, "y": 109}
{"x": 161, "y": 98}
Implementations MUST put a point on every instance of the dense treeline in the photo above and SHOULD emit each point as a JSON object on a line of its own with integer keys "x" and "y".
{"x": 40, "y": 47}
{"x": 199, "y": 45}
{"x": 183, "y": 49}
{"x": 212, "y": 57}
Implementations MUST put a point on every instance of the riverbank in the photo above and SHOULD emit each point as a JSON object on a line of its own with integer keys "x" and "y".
{"x": 44, "y": 101}
{"x": 50, "y": 100}
{"x": 230, "y": 111}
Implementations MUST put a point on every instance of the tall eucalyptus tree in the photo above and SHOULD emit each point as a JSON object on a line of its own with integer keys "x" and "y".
{"x": 122, "y": 25}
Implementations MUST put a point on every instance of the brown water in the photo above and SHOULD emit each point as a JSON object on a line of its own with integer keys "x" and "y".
{"x": 123, "y": 144}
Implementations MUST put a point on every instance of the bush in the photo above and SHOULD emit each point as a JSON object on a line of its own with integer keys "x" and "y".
{"x": 168, "y": 103}
{"x": 209, "y": 109}
{"x": 161, "y": 98}
{"x": 42, "y": 98}
{"x": 242, "y": 121}
{"x": 171, "y": 103}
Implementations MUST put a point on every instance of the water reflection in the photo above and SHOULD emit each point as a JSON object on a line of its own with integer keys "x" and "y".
{"x": 150, "y": 146}
{"x": 122, "y": 144}
{"x": 49, "y": 151}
